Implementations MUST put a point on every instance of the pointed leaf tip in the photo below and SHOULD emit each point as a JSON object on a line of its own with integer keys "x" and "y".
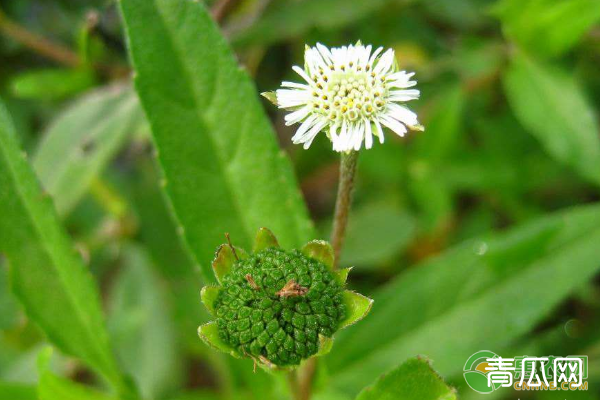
{"x": 208, "y": 295}
{"x": 325, "y": 345}
{"x": 358, "y": 306}
{"x": 321, "y": 251}
{"x": 342, "y": 275}
{"x": 271, "y": 96}
{"x": 264, "y": 240}
{"x": 209, "y": 333}
{"x": 224, "y": 260}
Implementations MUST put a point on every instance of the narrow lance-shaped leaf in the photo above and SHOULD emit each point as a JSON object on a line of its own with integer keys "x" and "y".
{"x": 52, "y": 387}
{"x": 52, "y": 84}
{"x": 413, "y": 380}
{"x": 508, "y": 275}
{"x": 223, "y": 170}
{"x": 285, "y": 20}
{"x": 549, "y": 103}
{"x": 17, "y": 391}
{"x": 141, "y": 325}
{"x": 82, "y": 140}
{"x": 547, "y": 27}
{"x": 47, "y": 275}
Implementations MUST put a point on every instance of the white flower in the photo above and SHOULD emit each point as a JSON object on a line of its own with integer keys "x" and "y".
{"x": 350, "y": 93}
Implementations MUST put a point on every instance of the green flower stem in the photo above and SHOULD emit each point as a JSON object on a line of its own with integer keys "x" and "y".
{"x": 343, "y": 201}
{"x": 340, "y": 221}
{"x": 294, "y": 384}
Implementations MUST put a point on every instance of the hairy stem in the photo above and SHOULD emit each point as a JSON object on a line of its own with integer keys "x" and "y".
{"x": 294, "y": 385}
{"x": 340, "y": 221}
{"x": 343, "y": 201}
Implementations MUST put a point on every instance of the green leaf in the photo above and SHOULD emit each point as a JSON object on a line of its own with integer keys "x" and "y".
{"x": 481, "y": 294}
{"x": 83, "y": 140}
{"x": 357, "y": 307}
{"x": 325, "y": 345}
{"x": 142, "y": 327}
{"x": 271, "y": 96}
{"x": 9, "y": 311}
{"x": 52, "y": 84}
{"x": 321, "y": 251}
{"x": 444, "y": 126}
{"x": 412, "y": 380}
{"x": 208, "y": 295}
{"x": 157, "y": 229}
{"x": 201, "y": 394}
{"x": 17, "y": 391}
{"x": 224, "y": 260}
{"x": 47, "y": 275}
{"x": 52, "y": 387}
{"x": 376, "y": 233}
{"x": 285, "y": 20}
{"x": 549, "y": 103}
{"x": 548, "y": 27}
{"x": 342, "y": 275}
{"x": 223, "y": 169}
{"x": 264, "y": 240}
{"x": 209, "y": 333}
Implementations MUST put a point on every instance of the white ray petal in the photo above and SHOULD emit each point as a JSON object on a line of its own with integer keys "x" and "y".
{"x": 306, "y": 125}
{"x": 359, "y": 135}
{"x": 378, "y": 129}
{"x": 295, "y": 85}
{"x": 385, "y": 62}
{"x": 368, "y": 134}
{"x": 403, "y": 114}
{"x": 312, "y": 134}
{"x": 297, "y": 116}
{"x": 374, "y": 55}
{"x": 404, "y": 95}
{"x": 303, "y": 74}
{"x": 394, "y": 125}
{"x": 325, "y": 53}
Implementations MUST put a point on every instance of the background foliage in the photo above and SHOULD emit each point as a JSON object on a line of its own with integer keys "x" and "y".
{"x": 482, "y": 232}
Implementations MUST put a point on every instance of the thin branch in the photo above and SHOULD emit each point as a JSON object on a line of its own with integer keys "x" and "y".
{"x": 222, "y": 8}
{"x": 293, "y": 382}
{"x": 306, "y": 379}
{"x": 54, "y": 51}
{"x": 231, "y": 246}
{"x": 343, "y": 201}
{"x": 38, "y": 43}
{"x": 340, "y": 222}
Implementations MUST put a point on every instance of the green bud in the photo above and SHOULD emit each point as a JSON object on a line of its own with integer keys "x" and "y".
{"x": 281, "y": 298}
{"x": 278, "y": 307}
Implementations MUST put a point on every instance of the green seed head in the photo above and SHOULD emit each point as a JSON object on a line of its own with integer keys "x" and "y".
{"x": 275, "y": 304}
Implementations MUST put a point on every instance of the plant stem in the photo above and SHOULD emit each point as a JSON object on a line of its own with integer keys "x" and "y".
{"x": 37, "y": 43}
{"x": 294, "y": 385}
{"x": 340, "y": 221}
{"x": 222, "y": 8}
{"x": 343, "y": 201}
{"x": 52, "y": 50}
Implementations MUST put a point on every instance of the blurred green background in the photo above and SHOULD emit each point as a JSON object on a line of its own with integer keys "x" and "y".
{"x": 479, "y": 233}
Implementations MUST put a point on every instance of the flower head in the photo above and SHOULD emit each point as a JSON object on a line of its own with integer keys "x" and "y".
{"x": 351, "y": 93}
{"x": 275, "y": 306}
